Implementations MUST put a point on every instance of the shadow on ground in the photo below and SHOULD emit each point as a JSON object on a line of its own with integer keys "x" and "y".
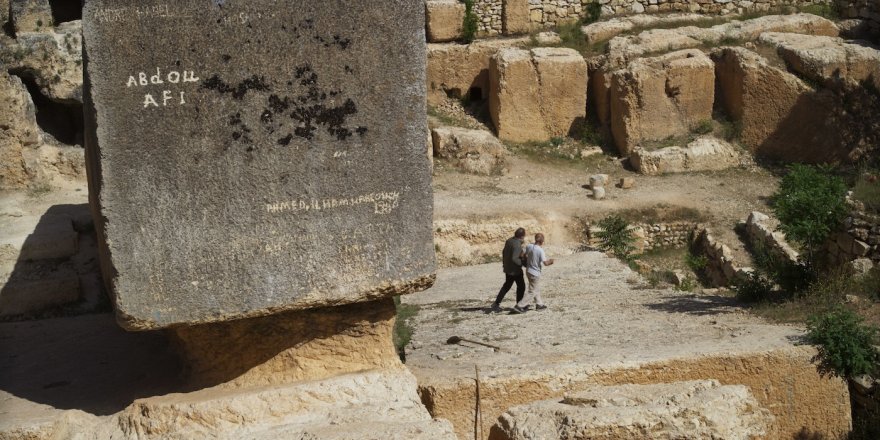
{"x": 698, "y": 305}
{"x": 87, "y": 363}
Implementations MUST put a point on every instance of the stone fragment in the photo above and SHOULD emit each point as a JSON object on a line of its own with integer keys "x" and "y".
{"x": 605, "y": 29}
{"x": 31, "y": 16}
{"x": 703, "y": 154}
{"x": 307, "y": 184}
{"x": 860, "y": 266}
{"x": 443, "y": 20}
{"x": 656, "y": 98}
{"x": 598, "y": 193}
{"x": 800, "y": 23}
{"x": 515, "y": 17}
{"x": 824, "y": 59}
{"x": 462, "y": 70}
{"x": 698, "y": 409}
{"x": 537, "y": 95}
{"x": 19, "y": 133}
{"x": 779, "y": 115}
{"x": 548, "y": 38}
{"x": 473, "y": 151}
{"x": 627, "y": 183}
{"x": 597, "y": 180}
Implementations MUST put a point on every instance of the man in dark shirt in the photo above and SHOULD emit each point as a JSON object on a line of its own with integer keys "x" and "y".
{"x": 513, "y": 272}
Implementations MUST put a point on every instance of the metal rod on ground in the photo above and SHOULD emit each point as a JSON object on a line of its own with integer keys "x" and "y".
{"x": 457, "y": 339}
{"x": 478, "y": 414}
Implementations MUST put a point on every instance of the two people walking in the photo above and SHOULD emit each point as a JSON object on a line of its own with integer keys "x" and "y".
{"x": 514, "y": 259}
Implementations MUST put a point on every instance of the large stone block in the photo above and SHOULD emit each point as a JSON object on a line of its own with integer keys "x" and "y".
{"x": 826, "y": 59}
{"x": 247, "y": 159}
{"x": 443, "y": 20}
{"x": 780, "y": 117}
{"x": 656, "y": 98}
{"x": 538, "y": 94}
{"x": 515, "y": 17}
{"x": 703, "y": 154}
{"x": 473, "y": 151}
{"x": 19, "y": 133}
{"x": 462, "y": 70}
{"x": 696, "y": 409}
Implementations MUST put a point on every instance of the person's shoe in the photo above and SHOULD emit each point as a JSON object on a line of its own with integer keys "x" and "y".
{"x": 496, "y": 308}
{"x": 526, "y": 308}
{"x": 518, "y": 310}
{"x": 540, "y": 307}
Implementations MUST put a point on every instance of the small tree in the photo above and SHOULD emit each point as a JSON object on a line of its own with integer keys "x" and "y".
{"x": 809, "y": 205}
{"x": 616, "y": 236}
{"x": 846, "y": 345}
{"x": 470, "y": 22}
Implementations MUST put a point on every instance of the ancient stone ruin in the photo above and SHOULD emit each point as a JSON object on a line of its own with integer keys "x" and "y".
{"x": 247, "y": 219}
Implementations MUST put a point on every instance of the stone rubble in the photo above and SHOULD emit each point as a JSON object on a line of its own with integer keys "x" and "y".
{"x": 702, "y": 154}
{"x": 473, "y": 151}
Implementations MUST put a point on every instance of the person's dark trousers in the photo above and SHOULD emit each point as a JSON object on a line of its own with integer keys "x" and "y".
{"x": 508, "y": 282}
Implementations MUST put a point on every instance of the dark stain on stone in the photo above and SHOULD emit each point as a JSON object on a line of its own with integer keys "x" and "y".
{"x": 255, "y": 83}
{"x": 285, "y": 140}
{"x": 226, "y": 58}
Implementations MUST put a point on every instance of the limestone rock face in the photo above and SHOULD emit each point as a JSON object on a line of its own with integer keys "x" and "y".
{"x": 52, "y": 58}
{"x": 296, "y": 346}
{"x": 252, "y": 179}
{"x": 655, "y": 98}
{"x": 473, "y": 151}
{"x": 19, "y": 133}
{"x": 515, "y": 17}
{"x": 703, "y": 154}
{"x": 793, "y": 23}
{"x": 781, "y": 117}
{"x": 31, "y": 15}
{"x": 4, "y": 13}
{"x": 697, "y": 409}
{"x": 443, "y": 20}
{"x": 462, "y": 70}
{"x": 537, "y": 95}
{"x": 825, "y": 59}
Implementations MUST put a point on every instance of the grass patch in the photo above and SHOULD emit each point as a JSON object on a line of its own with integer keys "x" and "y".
{"x": 402, "y": 333}
{"x": 662, "y": 213}
{"x": 867, "y": 190}
{"x": 830, "y": 12}
{"x": 446, "y": 119}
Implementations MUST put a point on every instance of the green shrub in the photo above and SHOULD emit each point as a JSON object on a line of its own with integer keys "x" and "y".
{"x": 696, "y": 262}
{"x": 402, "y": 331}
{"x": 792, "y": 277}
{"x": 471, "y": 22}
{"x": 592, "y": 12}
{"x": 754, "y": 288}
{"x": 845, "y": 344}
{"x": 867, "y": 190}
{"x": 809, "y": 205}
{"x": 616, "y": 236}
{"x": 823, "y": 10}
{"x": 703, "y": 127}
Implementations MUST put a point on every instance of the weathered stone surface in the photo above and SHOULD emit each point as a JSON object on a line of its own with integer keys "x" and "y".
{"x": 4, "y": 13}
{"x": 655, "y": 98}
{"x": 703, "y": 154}
{"x": 696, "y": 409}
{"x": 621, "y": 50}
{"x": 31, "y": 15}
{"x": 252, "y": 179}
{"x": 536, "y": 95}
{"x": 515, "y": 17}
{"x": 606, "y": 29}
{"x": 295, "y": 346}
{"x": 781, "y": 117}
{"x": 825, "y": 59}
{"x": 19, "y": 133}
{"x": 443, "y": 20}
{"x": 32, "y": 288}
{"x": 462, "y": 70}
{"x": 473, "y": 151}
{"x": 52, "y": 58}
{"x": 548, "y": 38}
{"x": 608, "y": 331}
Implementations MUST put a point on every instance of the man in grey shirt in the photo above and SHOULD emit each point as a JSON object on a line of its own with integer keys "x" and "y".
{"x": 513, "y": 273}
{"x": 535, "y": 259}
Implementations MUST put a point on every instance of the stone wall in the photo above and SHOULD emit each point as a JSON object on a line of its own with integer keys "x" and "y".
{"x": 721, "y": 269}
{"x": 651, "y": 236}
{"x": 859, "y": 237}
{"x": 868, "y": 10}
{"x": 549, "y": 13}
